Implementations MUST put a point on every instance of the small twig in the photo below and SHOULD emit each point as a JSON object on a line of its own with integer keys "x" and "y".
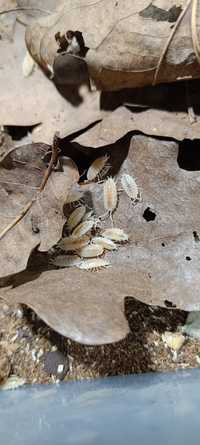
{"x": 163, "y": 54}
{"x": 17, "y": 219}
{"x": 6, "y": 11}
{"x": 53, "y": 161}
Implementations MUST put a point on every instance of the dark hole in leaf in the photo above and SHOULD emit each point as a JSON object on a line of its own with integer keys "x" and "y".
{"x": 18, "y": 132}
{"x": 188, "y": 155}
{"x": 169, "y": 304}
{"x": 188, "y": 258}
{"x": 196, "y": 236}
{"x": 149, "y": 215}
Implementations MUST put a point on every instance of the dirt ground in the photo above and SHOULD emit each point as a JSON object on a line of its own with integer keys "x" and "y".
{"x": 31, "y": 350}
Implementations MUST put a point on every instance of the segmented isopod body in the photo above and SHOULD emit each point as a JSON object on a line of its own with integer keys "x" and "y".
{"x": 95, "y": 263}
{"x": 66, "y": 260}
{"x": 83, "y": 228}
{"x": 96, "y": 167}
{"x": 115, "y": 234}
{"x": 73, "y": 196}
{"x": 88, "y": 215}
{"x": 70, "y": 243}
{"x": 76, "y": 217}
{"x": 130, "y": 187}
{"x": 110, "y": 195}
{"x": 90, "y": 251}
{"x": 106, "y": 243}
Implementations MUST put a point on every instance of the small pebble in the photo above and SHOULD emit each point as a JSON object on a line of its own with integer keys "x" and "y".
{"x": 18, "y": 313}
{"x": 56, "y": 364}
{"x": 40, "y": 353}
{"x": 33, "y": 354}
{"x": 174, "y": 340}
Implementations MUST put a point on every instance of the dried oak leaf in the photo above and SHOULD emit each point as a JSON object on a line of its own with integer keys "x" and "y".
{"x": 80, "y": 305}
{"x": 153, "y": 267}
{"x": 124, "y": 47}
{"x": 35, "y": 99}
{"x": 149, "y": 121}
{"x": 171, "y": 102}
{"x": 21, "y": 174}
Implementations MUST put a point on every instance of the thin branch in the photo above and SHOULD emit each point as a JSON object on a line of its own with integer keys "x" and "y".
{"x": 6, "y": 11}
{"x": 163, "y": 54}
{"x": 53, "y": 161}
{"x": 17, "y": 219}
{"x": 24, "y": 211}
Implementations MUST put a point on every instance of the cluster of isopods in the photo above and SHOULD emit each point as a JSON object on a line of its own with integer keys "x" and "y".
{"x": 84, "y": 244}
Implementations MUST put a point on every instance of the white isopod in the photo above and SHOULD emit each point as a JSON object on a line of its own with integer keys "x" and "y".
{"x": 83, "y": 228}
{"x": 106, "y": 243}
{"x": 66, "y": 260}
{"x": 97, "y": 167}
{"x": 90, "y": 251}
{"x": 76, "y": 217}
{"x": 95, "y": 263}
{"x": 130, "y": 187}
{"x": 70, "y": 244}
{"x": 110, "y": 195}
{"x": 115, "y": 234}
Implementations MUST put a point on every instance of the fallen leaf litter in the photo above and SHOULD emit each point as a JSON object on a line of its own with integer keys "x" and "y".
{"x": 90, "y": 309}
{"x": 79, "y": 241}
{"x": 174, "y": 341}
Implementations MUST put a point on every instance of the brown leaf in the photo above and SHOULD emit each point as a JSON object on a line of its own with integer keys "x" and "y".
{"x": 80, "y": 305}
{"x": 149, "y": 121}
{"x": 35, "y": 100}
{"x": 21, "y": 174}
{"x": 124, "y": 42}
{"x": 146, "y": 110}
{"x": 160, "y": 264}
{"x": 163, "y": 228}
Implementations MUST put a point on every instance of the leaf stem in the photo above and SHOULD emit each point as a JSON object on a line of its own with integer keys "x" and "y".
{"x": 6, "y": 11}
